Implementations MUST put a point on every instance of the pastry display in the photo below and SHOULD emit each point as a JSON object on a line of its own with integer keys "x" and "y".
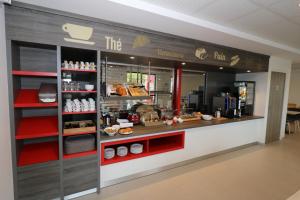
{"x": 125, "y": 131}
{"x": 150, "y": 119}
{"x": 111, "y": 131}
{"x": 121, "y": 90}
{"x": 137, "y": 91}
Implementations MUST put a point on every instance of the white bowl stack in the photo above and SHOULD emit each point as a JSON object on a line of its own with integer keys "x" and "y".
{"x": 109, "y": 153}
{"x": 80, "y": 106}
{"x": 136, "y": 148}
{"x": 122, "y": 151}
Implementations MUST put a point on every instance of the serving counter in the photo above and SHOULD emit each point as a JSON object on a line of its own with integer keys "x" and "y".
{"x": 188, "y": 142}
{"x": 140, "y": 130}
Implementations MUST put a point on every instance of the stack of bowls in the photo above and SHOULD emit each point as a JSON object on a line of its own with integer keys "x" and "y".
{"x": 136, "y": 148}
{"x": 109, "y": 153}
{"x": 122, "y": 151}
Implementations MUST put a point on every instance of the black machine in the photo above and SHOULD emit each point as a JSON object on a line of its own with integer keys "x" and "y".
{"x": 245, "y": 93}
{"x": 226, "y": 104}
{"x": 237, "y": 104}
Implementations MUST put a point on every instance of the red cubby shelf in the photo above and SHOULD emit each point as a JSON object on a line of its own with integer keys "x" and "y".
{"x": 79, "y": 70}
{"x": 79, "y": 113}
{"x": 78, "y": 155}
{"x": 28, "y": 98}
{"x": 117, "y": 158}
{"x": 152, "y": 145}
{"x": 38, "y": 153}
{"x": 34, "y": 73}
{"x": 37, "y": 127}
{"x": 80, "y": 91}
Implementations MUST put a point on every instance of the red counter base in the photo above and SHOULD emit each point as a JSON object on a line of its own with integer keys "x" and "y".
{"x": 152, "y": 145}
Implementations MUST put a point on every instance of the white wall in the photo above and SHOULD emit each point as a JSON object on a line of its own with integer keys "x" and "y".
{"x": 6, "y": 177}
{"x": 263, "y": 91}
{"x": 294, "y": 96}
{"x": 261, "y": 97}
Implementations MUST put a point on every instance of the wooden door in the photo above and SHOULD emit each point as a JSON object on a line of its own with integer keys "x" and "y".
{"x": 275, "y": 106}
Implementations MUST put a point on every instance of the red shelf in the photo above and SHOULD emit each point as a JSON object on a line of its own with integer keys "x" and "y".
{"x": 79, "y": 113}
{"x": 78, "y": 70}
{"x": 80, "y": 91}
{"x": 117, "y": 158}
{"x": 37, "y": 127}
{"x": 28, "y": 98}
{"x": 81, "y": 133}
{"x": 38, "y": 153}
{"x": 77, "y": 155}
{"x": 34, "y": 73}
{"x": 152, "y": 145}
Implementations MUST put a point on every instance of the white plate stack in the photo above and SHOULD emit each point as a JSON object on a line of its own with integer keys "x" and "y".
{"x": 92, "y": 104}
{"x": 122, "y": 151}
{"x": 136, "y": 148}
{"x": 80, "y": 106}
{"x": 84, "y": 105}
{"x": 109, "y": 153}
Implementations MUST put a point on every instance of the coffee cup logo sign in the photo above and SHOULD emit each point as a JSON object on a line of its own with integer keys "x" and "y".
{"x": 112, "y": 44}
{"x": 78, "y": 34}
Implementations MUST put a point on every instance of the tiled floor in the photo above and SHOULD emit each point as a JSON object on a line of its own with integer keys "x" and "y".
{"x": 269, "y": 172}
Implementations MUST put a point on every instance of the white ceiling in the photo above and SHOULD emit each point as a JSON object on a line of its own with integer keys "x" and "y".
{"x": 277, "y": 20}
{"x": 265, "y": 26}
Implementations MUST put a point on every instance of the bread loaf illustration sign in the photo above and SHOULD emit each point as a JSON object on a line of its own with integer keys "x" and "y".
{"x": 234, "y": 60}
{"x": 140, "y": 41}
{"x": 201, "y": 53}
{"x": 78, "y": 33}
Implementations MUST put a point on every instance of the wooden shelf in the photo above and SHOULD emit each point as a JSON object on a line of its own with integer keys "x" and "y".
{"x": 34, "y": 73}
{"x": 78, "y": 155}
{"x": 80, "y": 133}
{"x": 125, "y": 98}
{"x": 28, "y": 98}
{"x": 80, "y": 91}
{"x": 37, "y": 127}
{"x": 78, "y": 70}
{"x": 38, "y": 153}
{"x": 79, "y": 113}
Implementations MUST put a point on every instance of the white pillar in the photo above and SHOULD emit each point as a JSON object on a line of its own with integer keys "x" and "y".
{"x": 6, "y": 180}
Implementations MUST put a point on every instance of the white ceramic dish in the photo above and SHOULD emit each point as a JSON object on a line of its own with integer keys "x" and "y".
{"x": 136, "y": 148}
{"x": 109, "y": 153}
{"x": 113, "y": 131}
{"x": 122, "y": 151}
{"x": 89, "y": 87}
{"x": 207, "y": 117}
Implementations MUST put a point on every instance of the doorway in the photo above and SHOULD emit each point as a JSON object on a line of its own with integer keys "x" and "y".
{"x": 275, "y": 106}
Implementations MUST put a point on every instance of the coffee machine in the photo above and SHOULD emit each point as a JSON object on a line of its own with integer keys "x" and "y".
{"x": 226, "y": 104}
{"x": 245, "y": 93}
